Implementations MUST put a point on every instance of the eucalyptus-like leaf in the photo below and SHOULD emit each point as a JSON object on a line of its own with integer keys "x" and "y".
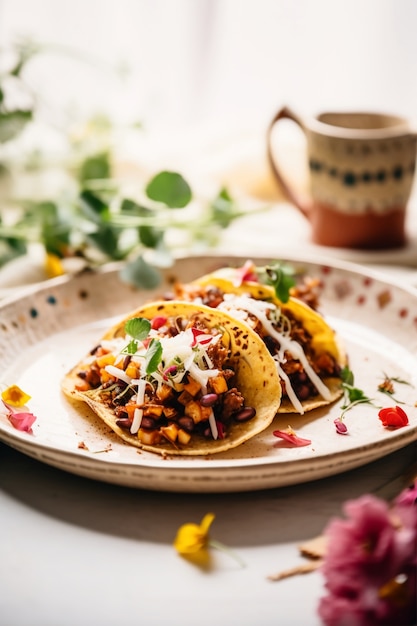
{"x": 12, "y": 123}
{"x": 93, "y": 207}
{"x": 223, "y": 209}
{"x": 140, "y": 274}
{"x": 130, "y": 207}
{"x": 106, "y": 240}
{"x": 11, "y": 248}
{"x": 95, "y": 167}
{"x": 170, "y": 188}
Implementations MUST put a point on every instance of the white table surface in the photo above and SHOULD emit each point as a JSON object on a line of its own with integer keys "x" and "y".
{"x": 76, "y": 551}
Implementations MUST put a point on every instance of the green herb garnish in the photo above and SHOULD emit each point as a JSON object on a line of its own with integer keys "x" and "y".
{"x": 387, "y": 386}
{"x": 138, "y": 328}
{"x": 153, "y": 356}
{"x": 352, "y": 395}
{"x": 281, "y": 277}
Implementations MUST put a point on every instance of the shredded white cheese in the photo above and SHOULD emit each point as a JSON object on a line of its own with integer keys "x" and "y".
{"x": 213, "y": 425}
{"x": 118, "y": 373}
{"x": 259, "y": 308}
{"x": 138, "y": 413}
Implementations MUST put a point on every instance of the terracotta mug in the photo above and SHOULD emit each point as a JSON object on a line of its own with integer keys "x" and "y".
{"x": 361, "y": 172}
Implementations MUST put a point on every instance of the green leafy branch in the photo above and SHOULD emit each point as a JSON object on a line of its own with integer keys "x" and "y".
{"x": 93, "y": 220}
{"x": 99, "y": 225}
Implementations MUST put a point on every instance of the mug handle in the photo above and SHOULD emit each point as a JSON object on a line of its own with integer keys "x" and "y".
{"x": 292, "y": 195}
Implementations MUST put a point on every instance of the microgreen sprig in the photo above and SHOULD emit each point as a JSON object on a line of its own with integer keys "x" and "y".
{"x": 138, "y": 328}
{"x": 387, "y": 386}
{"x": 352, "y": 395}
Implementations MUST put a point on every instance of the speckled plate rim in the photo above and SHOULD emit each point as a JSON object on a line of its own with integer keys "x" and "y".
{"x": 233, "y": 473}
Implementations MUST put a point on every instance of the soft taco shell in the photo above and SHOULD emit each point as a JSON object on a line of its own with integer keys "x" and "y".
{"x": 255, "y": 377}
{"x": 323, "y": 338}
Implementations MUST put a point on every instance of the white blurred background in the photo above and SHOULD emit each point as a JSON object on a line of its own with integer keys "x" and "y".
{"x": 218, "y": 63}
{"x": 203, "y": 79}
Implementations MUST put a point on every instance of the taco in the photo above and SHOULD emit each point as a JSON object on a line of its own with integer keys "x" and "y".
{"x": 307, "y": 352}
{"x": 179, "y": 378}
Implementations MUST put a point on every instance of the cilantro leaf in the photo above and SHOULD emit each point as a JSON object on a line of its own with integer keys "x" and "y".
{"x": 281, "y": 277}
{"x": 153, "y": 356}
{"x": 347, "y": 375}
{"x": 138, "y": 328}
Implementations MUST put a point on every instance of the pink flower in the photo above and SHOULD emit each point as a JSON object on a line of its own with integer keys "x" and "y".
{"x": 291, "y": 437}
{"x": 370, "y": 565}
{"x": 393, "y": 417}
{"x": 246, "y": 273}
{"x": 341, "y": 427}
{"x": 21, "y": 420}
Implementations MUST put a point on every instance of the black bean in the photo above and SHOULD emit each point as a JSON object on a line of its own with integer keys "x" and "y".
{"x": 148, "y": 422}
{"x": 302, "y": 377}
{"x": 303, "y": 392}
{"x": 186, "y": 423}
{"x": 209, "y": 399}
{"x": 245, "y": 414}
{"x": 126, "y": 361}
{"x": 123, "y": 422}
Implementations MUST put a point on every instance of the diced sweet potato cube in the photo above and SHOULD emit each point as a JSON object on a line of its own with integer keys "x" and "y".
{"x": 82, "y": 385}
{"x": 185, "y": 397}
{"x": 106, "y": 359}
{"x": 170, "y": 432}
{"x": 170, "y": 412}
{"x": 193, "y": 410}
{"x": 183, "y": 437}
{"x": 149, "y": 437}
{"x": 105, "y": 376}
{"x": 219, "y": 384}
{"x": 192, "y": 386}
{"x": 155, "y": 410}
{"x": 132, "y": 370}
{"x": 164, "y": 392}
{"x": 197, "y": 412}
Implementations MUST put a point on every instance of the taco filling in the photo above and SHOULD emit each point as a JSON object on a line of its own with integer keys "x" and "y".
{"x": 306, "y": 351}
{"x": 179, "y": 378}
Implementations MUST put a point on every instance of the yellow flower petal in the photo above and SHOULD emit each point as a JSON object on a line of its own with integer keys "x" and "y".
{"x": 53, "y": 266}
{"x": 192, "y": 538}
{"x": 15, "y": 396}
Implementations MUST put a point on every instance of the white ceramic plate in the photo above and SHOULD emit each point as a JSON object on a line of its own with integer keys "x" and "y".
{"x": 46, "y": 331}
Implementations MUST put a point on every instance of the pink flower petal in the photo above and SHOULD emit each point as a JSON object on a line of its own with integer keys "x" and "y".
{"x": 341, "y": 427}
{"x": 290, "y": 436}
{"x": 246, "y": 273}
{"x": 21, "y": 420}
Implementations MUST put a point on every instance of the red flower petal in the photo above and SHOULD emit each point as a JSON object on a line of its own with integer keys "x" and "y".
{"x": 158, "y": 322}
{"x": 290, "y": 436}
{"x": 393, "y": 417}
{"x": 200, "y": 337}
{"x": 246, "y": 273}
